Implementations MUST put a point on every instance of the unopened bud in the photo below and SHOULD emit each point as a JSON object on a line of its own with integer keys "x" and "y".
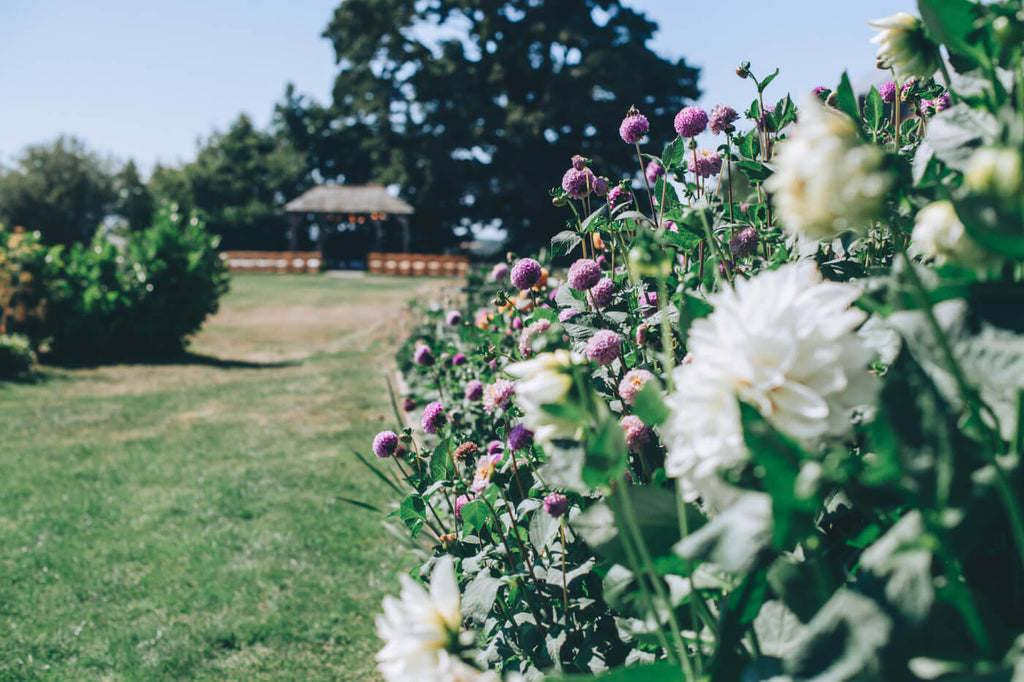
{"x": 558, "y": 201}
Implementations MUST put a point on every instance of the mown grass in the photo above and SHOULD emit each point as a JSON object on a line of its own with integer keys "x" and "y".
{"x": 185, "y": 520}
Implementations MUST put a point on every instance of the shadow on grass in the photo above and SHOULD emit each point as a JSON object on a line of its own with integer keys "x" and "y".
{"x": 182, "y": 358}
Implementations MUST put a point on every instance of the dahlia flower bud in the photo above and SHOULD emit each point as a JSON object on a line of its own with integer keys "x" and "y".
{"x": 653, "y": 172}
{"x": 453, "y": 318}
{"x": 636, "y": 432}
{"x": 939, "y": 234}
{"x": 632, "y": 383}
{"x": 519, "y": 438}
{"x": 556, "y": 504}
{"x": 601, "y": 186}
{"x": 633, "y": 127}
{"x": 903, "y": 45}
{"x": 826, "y": 180}
{"x": 525, "y": 274}
{"x": 433, "y": 417}
{"x": 603, "y": 347}
{"x": 459, "y": 359}
{"x": 821, "y": 92}
{"x": 942, "y": 102}
{"x": 385, "y": 443}
{"x": 474, "y": 390}
{"x": 691, "y": 121}
{"x": 578, "y": 162}
{"x": 583, "y": 274}
{"x": 422, "y": 355}
{"x": 409, "y": 404}
{"x": 722, "y": 119}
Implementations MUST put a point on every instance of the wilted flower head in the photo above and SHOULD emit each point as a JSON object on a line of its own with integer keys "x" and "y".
{"x": 633, "y": 127}
{"x": 453, "y": 318}
{"x": 498, "y": 394}
{"x": 525, "y": 274}
{"x": 603, "y": 347}
{"x": 583, "y": 274}
{"x": 653, "y": 171}
{"x": 519, "y": 438}
{"x": 420, "y": 626}
{"x": 499, "y": 272}
{"x": 826, "y": 181}
{"x": 618, "y": 195}
{"x": 578, "y": 162}
{"x": 433, "y": 417}
{"x": 691, "y": 121}
{"x": 465, "y": 451}
{"x": 422, "y": 355}
{"x": 888, "y": 91}
{"x": 385, "y": 443}
{"x": 632, "y": 382}
{"x": 744, "y": 242}
{"x": 903, "y": 45}
{"x": 556, "y": 504}
{"x": 525, "y": 341}
{"x": 708, "y": 163}
{"x": 722, "y": 119}
{"x": 474, "y": 390}
{"x": 578, "y": 183}
{"x": 601, "y": 293}
{"x": 636, "y": 432}
{"x": 939, "y": 234}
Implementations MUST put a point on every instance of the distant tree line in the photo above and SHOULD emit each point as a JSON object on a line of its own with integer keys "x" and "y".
{"x": 468, "y": 126}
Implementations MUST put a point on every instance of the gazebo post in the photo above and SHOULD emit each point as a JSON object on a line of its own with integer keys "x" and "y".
{"x": 379, "y": 235}
{"x": 403, "y": 220}
{"x": 293, "y": 231}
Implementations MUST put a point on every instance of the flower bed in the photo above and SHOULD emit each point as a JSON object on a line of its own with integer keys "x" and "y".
{"x": 767, "y": 424}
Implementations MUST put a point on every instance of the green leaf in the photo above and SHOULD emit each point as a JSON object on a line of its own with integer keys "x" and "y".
{"x": 663, "y": 671}
{"x": 785, "y": 112}
{"x": 874, "y": 109}
{"x": 475, "y": 516}
{"x": 564, "y": 242}
{"x": 750, "y": 144}
{"x": 605, "y": 455}
{"x": 754, "y": 170}
{"x": 990, "y": 227}
{"x": 668, "y": 191}
{"x": 440, "y": 462}
{"x": 846, "y": 101}
{"x": 656, "y": 514}
{"x": 478, "y": 597}
{"x": 412, "y": 511}
{"x": 649, "y": 405}
{"x": 950, "y": 22}
{"x": 675, "y": 152}
{"x": 767, "y": 80}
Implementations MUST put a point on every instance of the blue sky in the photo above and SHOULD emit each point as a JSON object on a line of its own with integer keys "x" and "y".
{"x": 144, "y": 80}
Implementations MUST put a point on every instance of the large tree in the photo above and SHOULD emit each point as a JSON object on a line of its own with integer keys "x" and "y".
{"x": 61, "y": 189}
{"x": 474, "y": 107}
{"x": 240, "y": 181}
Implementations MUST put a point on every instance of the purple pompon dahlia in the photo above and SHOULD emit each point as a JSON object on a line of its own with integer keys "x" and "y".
{"x": 578, "y": 162}
{"x": 517, "y": 323}
{"x": 583, "y": 274}
{"x": 433, "y": 417}
{"x": 637, "y": 433}
{"x": 459, "y": 359}
{"x": 601, "y": 293}
{"x": 519, "y": 438}
{"x": 566, "y": 313}
{"x": 422, "y": 355}
{"x": 601, "y": 186}
{"x": 888, "y": 92}
{"x": 556, "y": 504}
{"x": 453, "y": 318}
{"x": 495, "y": 449}
{"x": 474, "y": 390}
{"x": 619, "y": 195}
{"x": 385, "y": 443}
{"x": 499, "y": 272}
{"x": 743, "y": 243}
{"x": 653, "y": 172}
{"x": 633, "y": 127}
{"x": 722, "y": 119}
{"x": 525, "y": 341}
{"x": 708, "y": 163}
{"x": 578, "y": 184}
{"x": 525, "y": 274}
{"x": 460, "y": 502}
{"x": 632, "y": 383}
{"x": 603, "y": 347}
{"x": 497, "y": 395}
{"x": 691, "y": 121}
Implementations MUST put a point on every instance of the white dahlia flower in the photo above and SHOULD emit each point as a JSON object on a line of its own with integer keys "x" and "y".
{"x": 826, "y": 180}
{"x": 545, "y": 380}
{"x": 782, "y": 342}
{"x": 903, "y": 46}
{"x": 421, "y": 627}
{"x": 939, "y": 234}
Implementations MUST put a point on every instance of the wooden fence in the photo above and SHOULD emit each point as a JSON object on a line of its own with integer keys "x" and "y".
{"x": 417, "y": 264}
{"x": 272, "y": 261}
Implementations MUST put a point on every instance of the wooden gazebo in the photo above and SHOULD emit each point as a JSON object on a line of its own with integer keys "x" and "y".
{"x": 363, "y": 218}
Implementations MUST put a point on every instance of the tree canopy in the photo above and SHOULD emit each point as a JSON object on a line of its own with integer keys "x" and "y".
{"x": 468, "y": 105}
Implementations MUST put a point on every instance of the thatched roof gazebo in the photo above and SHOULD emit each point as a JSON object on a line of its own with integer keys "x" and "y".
{"x": 351, "y": 219}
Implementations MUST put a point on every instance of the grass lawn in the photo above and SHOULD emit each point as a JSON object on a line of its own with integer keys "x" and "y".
{"x": 183, "y": 520}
